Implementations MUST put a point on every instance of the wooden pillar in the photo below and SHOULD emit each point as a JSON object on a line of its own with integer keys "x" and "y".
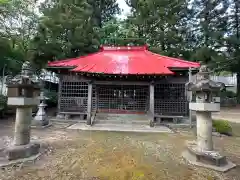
{"x": 89, "y": 103}
{"x": 96, "y": 94}
{"x": 59, "y": 94}
{"x": 151, "y": 105}
{"x": 151, "y": 98}
{"x": 190, "y": 96}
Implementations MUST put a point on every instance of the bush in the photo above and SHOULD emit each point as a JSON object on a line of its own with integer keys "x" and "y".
{"x": 222, "y": 126}
{"x": 227, "y": 94}
{"x": 52, "y": 98}
{"x": 228, "y": 99}
{"x": 3, "y": 104}
{"x": 3, "y": 101}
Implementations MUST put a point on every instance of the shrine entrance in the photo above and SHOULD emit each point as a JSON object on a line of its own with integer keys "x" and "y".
{"x": 122, "y": 98}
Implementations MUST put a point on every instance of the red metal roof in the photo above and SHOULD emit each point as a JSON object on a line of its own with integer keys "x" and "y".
{"x": 124, "y": 60}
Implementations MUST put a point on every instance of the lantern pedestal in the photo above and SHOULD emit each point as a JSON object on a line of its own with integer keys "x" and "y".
{"x": 21, "y": 149}
{"x": 201, "y": 152}
{"x": 21, "y": 95}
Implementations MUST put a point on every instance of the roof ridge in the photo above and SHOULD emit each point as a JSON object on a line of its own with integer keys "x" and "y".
{"x": 120, "y": 48}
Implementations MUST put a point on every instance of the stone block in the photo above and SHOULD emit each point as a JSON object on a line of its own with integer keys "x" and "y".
{"x": 21, "y": 152}
{"x": 40, "y": 125}
{"x": 208, "y": 107}
{"x": 22, "y": 101}
{"x": 40, "y": 122}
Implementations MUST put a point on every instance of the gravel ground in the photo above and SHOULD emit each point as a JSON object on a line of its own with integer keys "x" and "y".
{"x": 79, "y": 155}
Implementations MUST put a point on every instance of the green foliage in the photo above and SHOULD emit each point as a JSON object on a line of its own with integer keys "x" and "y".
{"x": 3, "y": 102}
{"x": 198, "y": 30}
{"x": 161, "y": 23}
{"x": 104, "y": 10}
{"x": 227, "y": 94}
{"x": 18, "y": 22}
{"x": 65, "y": 30}
{"x": 222, "y": 126}
{"x": 52, "y": 98}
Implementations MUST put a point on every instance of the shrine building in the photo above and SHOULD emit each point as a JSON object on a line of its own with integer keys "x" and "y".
{"x": 123, "y": 80}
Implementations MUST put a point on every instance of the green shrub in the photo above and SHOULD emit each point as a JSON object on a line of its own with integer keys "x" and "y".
{"x": 222, "y": 126}
{"x": 227, "y": 94}
{"x": 52, "y": 98}
{"x": 3, "y": 105}
{"x": 3, "y": 102}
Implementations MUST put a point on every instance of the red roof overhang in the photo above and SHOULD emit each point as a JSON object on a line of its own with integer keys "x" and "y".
{"x": 124, "y": 60}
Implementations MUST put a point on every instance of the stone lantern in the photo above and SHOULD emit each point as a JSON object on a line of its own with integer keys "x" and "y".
{"x": 41, "y": 119}
{"x": 21, "y": 95}
{"x": 201, "y": 152}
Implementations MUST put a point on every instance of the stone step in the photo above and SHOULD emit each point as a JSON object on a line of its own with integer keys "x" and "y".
{"x": 104, "y": 118}
{"x": 121, "y": 122}
{"x": 109, "y": 125}
{"x": 67, "y": 120}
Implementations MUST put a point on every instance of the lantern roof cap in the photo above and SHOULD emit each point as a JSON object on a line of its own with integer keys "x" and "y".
{"x": 204, "y": 83}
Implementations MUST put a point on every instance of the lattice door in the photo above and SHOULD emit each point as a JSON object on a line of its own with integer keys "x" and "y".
{"x": 123, "y": 98}
{"x": 170, "y": 99}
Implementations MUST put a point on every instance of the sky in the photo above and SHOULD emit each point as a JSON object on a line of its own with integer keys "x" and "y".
{"x": 124, "y": 7}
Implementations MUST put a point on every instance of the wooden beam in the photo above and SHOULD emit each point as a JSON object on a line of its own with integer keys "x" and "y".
{"x": 121, "y": 83}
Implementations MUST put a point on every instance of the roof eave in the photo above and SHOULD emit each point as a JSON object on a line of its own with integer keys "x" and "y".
{"x": 183, "y": 68}
{"x": 60, "y": 67}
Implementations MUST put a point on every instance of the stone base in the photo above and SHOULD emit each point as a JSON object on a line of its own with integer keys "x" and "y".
{"x": 21, "y": 152}
{"x": 60, "y": 116}
{"x": 6, "y": 163}
{"x": 40, "y": 125}
{"x": 209, "y": 159}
